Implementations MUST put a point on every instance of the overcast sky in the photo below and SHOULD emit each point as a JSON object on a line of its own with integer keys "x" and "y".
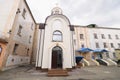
{"x": 104, "y": 13}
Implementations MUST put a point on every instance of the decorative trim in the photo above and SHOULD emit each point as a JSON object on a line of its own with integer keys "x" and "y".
{"x": 42, "y": 26}
{"x": 96, "y": 27}
{"x": 42, "y": 48}
{"x": 38, "y": 53}
{"x": 71, "y": 27}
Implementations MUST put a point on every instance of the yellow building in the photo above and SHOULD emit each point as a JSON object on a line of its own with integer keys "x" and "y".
{"x": 117, "y": 54}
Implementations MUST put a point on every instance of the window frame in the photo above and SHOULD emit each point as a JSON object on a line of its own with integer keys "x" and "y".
{"x": 97, "y": 45}
{"x": 114, "y": 54}
{"x": 82, "y": 45}
{"x": 118, "y": 45}
{"x": 95, "y": 36}
{"x": 24, "y": 13}
{"x": 109, "y": 36}
{"x": 32, "y": 28}
{"x": 105, "y": 45}
{"x": 19, "y": 31}
{"x": 15, "y": 49}
{"x": 107, "y": 55}
{"x": 81, "y": 36}
{"x": 116, "y": 36}
{"x": 30, "y": 39}
{"x": 103, "y": 36}
{"x": 61, "y": 35}
{"x": 74, "y": 41}
{"x": 112, "y": 45}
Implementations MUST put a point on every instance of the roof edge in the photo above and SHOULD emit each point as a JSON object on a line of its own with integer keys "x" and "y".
{"x": 30, "y": 11}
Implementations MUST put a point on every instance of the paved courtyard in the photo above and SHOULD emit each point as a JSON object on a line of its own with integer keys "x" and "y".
{"x": 85, "y": 73}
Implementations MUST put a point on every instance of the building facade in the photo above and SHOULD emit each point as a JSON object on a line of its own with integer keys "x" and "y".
{"x": 48, "y": 45}
{"x": 16, "y": 34}
{"x": 55, "y": 42}
{"x": 95, "y": 37}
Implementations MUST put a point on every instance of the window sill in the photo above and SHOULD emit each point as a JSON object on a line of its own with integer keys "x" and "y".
{"x": 57, "y": 41}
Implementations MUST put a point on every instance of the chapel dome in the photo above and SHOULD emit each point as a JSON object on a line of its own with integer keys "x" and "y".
{"x": 56, "y": 10}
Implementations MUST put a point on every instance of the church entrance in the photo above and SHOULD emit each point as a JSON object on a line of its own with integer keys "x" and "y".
{"x": 56, "y": 57}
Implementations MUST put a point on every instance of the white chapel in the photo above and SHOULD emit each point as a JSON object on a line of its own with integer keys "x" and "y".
{"x": 55, "y": 43}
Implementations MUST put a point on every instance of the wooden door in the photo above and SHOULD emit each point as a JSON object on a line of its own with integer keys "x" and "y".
{"x": 54, "y": 59}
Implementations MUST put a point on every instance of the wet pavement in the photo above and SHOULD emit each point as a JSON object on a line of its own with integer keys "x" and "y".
{"x": 86, "y": 73}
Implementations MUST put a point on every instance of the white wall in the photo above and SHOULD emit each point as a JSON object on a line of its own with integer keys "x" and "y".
{"x": 14, "y": 61}
{"x": 7, "y": 14}
{"x": 26, "y": 25}
{"x": 5, "y": 9}
{"x": 100, "y": 31}
{"x": 28, "y": 28}
{"x": 49, "y": 44}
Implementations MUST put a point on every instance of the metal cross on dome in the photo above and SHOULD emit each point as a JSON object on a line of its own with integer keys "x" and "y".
{"x": 56, "y": 4}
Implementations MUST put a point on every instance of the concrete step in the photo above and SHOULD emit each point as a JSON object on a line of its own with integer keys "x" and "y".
{"x": 92, "y": 63}
{"x": 111, "y": 63}
{"x": 57, "y": 72}
{"x": 107, "y": 62}
{"x": 101, "y": 62}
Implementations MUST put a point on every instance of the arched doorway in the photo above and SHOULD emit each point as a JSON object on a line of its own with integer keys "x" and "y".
{"x": 56, "y": 57}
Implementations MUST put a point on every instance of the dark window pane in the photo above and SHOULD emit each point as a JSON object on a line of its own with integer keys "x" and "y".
{"x": 109, "y": 36}
{"x": 95, "y": 36}
{"x": 97, "y": 45}
{"x": 112, "y": 46}
{"x": 81, "y": 36}
{"x": 103, "y": 36}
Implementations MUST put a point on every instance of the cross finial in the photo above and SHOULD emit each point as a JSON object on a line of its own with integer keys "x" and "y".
{"x": 56, "y": 4}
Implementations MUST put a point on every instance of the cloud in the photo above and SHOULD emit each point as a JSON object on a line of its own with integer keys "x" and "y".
{"x": 41, "y": 8}
{"x": 80, "y": 12}
{"x": 101, "y": 12}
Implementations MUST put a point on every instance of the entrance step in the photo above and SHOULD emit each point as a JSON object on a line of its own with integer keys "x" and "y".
{"x": 57, "y": 72}
{"x": 102, "y": 62}
{"x": 111, "y": 63}
{"x": 92, "y": 63}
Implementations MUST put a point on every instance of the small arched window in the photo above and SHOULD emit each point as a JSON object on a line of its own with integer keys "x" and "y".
{"x": 57, "y": 36}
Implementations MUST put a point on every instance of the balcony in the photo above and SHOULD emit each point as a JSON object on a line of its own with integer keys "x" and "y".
{"x": 4, "y": 37}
